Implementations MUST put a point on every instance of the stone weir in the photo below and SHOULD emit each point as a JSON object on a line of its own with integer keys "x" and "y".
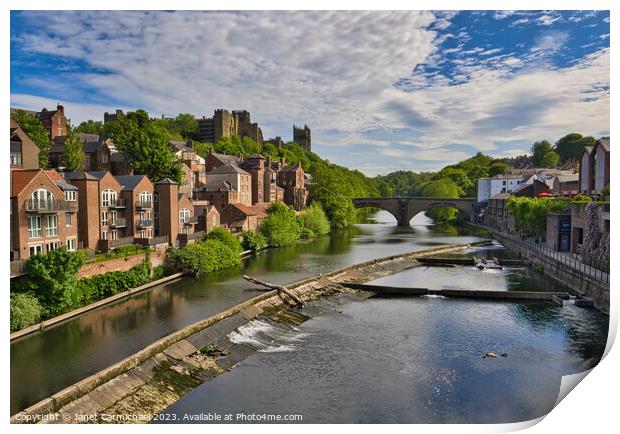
{"x": 137, "y": 388}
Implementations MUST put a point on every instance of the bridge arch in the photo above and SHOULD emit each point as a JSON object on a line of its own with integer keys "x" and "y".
{"x": 404, "y": 208}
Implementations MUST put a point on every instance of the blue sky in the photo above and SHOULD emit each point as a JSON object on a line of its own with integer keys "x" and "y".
{"x": 382, "y": 91}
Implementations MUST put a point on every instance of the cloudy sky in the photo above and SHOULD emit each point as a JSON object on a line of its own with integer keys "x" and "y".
{"x": 382, "y": 91}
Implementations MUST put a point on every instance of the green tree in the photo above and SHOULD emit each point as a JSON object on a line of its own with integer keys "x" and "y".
{"x": 444, "y": 187}
{"x": 225, "y": 237}
{"x": 571, "y": 145}
{"x": 498, "y": 168}
{"x": 146, "y": 145}
{"x": 73, "y": 153}
{"x": 551, "y": 159}
{"x": 253, "y": 240}
{"x": 25, "y": 310}
{"x": 281, "y": 226}
{"x": 204, "y": 257}
{"x": 185, "y": 124}
{"x": 539, "y": 150}
{"x": 90, "y": 127}
{"x": 314, "y": 221}
{"x": 37, "y": 133}
{"x": 52, "y": 277}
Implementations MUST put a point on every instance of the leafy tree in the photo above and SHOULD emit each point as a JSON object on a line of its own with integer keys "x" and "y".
{"x": 498, "y": 168}
{"x": 25, "y": 310}
{"x": 52, "y": 279}
{"x": 253, "y": 240}
{"x": 314, "y": 221}
{"x": 185, "y": 124}
{"x": 90, "y": 127}
{"x": 225, "y": 237}
{"x": 281, "y": 227}
{"x": 146, "y": 145}
{"x": 459, "y": 177}
{"x": 73, "y": 153}
{"x": 551, "y": 159}
{"x": 571, "y": 145}
{"x": 539, "y": 150}
{"x": 444, "y": 187}
{"x": 204, "y": 257}
{"x": 37, "y": 133}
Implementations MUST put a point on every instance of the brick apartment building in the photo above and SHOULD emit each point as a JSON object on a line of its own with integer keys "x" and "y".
{"x": 43, "y": 213}
{"x": 24, "y": 152}
{"x": 230, "y": 173}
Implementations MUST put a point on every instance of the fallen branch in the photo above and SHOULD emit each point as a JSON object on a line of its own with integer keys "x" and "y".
{"x": 281, "y": 289}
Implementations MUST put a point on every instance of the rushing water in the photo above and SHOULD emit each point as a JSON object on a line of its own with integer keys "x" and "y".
{"x": 45, "y": 363}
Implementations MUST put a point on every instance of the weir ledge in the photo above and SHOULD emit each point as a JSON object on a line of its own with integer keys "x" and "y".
{"x": 141, "y": 382}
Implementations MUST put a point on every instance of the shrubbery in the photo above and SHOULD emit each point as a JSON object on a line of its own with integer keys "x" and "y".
{"x": 281, "y": 227}
{"x": 530, "y": 213}
{"x": 314, "y": 222}
{"x": 205, "y": 257}
{"x": 25, "y": 310}
{"x": 103, "y": 285}
{"x": 221, "y": 234}
{"x": 253, "y": 240}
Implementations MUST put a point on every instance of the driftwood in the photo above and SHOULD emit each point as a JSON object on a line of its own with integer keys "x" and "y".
{"x": 281, "y": 289}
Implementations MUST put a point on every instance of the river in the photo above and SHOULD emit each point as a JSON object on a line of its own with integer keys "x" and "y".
{"x": 45, "y": 363}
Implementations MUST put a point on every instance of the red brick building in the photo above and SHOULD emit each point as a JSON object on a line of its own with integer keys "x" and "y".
{"x": 54, "y": 121}
{"x": 292, "y": 179}
{"x": 24, "y": 152}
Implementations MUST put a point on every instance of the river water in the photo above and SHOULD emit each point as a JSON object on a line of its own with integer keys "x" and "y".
{"x": 381, "y": 360}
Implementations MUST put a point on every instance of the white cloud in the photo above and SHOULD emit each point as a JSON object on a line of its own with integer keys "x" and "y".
{"x": 338, "y": 80}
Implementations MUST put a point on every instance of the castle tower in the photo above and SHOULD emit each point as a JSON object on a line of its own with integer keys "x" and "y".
{"x": 303, "y": 137}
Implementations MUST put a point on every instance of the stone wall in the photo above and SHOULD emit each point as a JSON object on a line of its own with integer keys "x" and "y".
{"x": 120, "y": 264}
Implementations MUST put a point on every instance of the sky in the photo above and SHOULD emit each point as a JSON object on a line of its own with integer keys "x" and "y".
{"x": 381, "y": 90}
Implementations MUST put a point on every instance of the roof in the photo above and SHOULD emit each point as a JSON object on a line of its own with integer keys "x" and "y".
{"x": 587, "y": 150}
{"x": 254, "y": 156}
{"x": 291, "y": 168}
{"x": 568, "y": 178}
{"x": 225, "y": 158}
{"x": 180, "y": 146}
{"x": 255, "y": 210}
{"x": 86, "y": 175}
{"x": 20, "y": 179}
{"x": 228, "y": 168}
{"x": 91, "y": 142}
{"x": 220, "y": 186}
{"x": 603, "y": 143}
{"x": 64, "y": 185}
{"x": 129, "y": 182}
{"x": 501, "y": 196}
{"x": 166, "y": 181}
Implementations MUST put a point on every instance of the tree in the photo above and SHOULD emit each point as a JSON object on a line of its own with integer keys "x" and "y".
{"x": 185, "y": 124}
{"x": 73, "y": 153}
{"x": 570, "y": 146}
{"x": 281, "y": 226}
{"x": 499, "y": 168}
{"x": 225, "y": 237}
{"x": 90, "y": 127}
{"x": 314, "y": 221}
{"x": 444, "y": 187}
{"x": 550, "y": 159}
{"x": 146, "y": 146}
{"x": 37, "y": 133}
{"x": 25, "y": 310}
{"x": 204, "y": 257}
{"x": 539, "y": 149}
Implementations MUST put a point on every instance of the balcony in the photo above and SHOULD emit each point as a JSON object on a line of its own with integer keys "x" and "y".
{"x": 144, "y": 204}
{"x": 144, "y": 224}
{"x": 119, "y": 222}
{"x": 50, "y": 206}
{"x": 163, "y": 239}
{"x": 189, "y": 221}
{"x": 117, "y": 203}
{"x": 18, "y": 267}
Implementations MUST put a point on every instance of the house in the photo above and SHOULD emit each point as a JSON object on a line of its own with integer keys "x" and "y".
{"x": 214, "y": 160}
{"x": 42, "y": 213}
{"x": 54, "y": 121}
{"x": 489, "y": 187}
{"x": 207, "y": 214}
{"x": 175, "y": 215}
{"x": 220, "y": 195}
{"x": 292, "y": 179}
{"x": 101, "y": 207}
{"x": 97, "y": 153}
{"x": 565, "y": 185}
{"x": 233, "y": 175}
{"x": 255, "y": 166}
{"x": 24, "y": 152}
{"x": 239, "y": 217}
{"x": 601, "y": 157}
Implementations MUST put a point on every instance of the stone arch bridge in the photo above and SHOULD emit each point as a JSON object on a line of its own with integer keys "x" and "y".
{"x": 404, "y": 208}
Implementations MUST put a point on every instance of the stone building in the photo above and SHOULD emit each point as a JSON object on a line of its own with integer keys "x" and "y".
{"x": 24, "y": 152}
{"x": 303, "y": 137}
{"x": 226, "y": 124}
{"x": 292, "y": 179}
{"x": 43, "y": 213}
{"x": 238, "y": 178}
{"x": 107, "y": 117}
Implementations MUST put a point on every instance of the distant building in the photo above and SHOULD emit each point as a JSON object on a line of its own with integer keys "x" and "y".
{"x": 107, "y": 117}
{"x": 292, "y": 179}
{"x": 489, "y": 187}
{"x": 24, "y": 152}
{"x": 303, "y": 137}
{"x": 214, "y": 160}
{"x": 276, "y": 141}
{"x": 594, "y": 167}
{"x": 565, "y": 185}
{"x": 226, "y": 124}
{"x": 54, "y": 121}
{"x": 238, "y": 178}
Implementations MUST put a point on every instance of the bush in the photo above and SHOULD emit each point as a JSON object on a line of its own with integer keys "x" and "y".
{"x": 225, "y": 237}
{"x": 581, "y": 198}
{"x": 25, "y": 310}
{"x": 204, "y": 257}
{"x": 253, "y": 240}
{"x": 314, "y": 221}
{"x": 158, "y": 272}
{"x": 104, "y": 285}
{"x": 281, "y": 226}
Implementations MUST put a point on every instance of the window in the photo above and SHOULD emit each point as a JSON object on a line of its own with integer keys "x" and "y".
{"x": 51, "y": 225}
{"x": 104, "y": 235}
{"x": 67, "y": 219}
{"x": 34, "y": 227}
{"x": 184, "y": 215}
{"x": 60, "y": 131}
{"x": 41, "y": 195}
{"x": 103, "y": 158}
{"x": 16, "y": 158}
{"x": 142, "y": 234}
{"x": 114, "y": 234}
{"x": 149, "y": 233}
{"x": 156, "y": 198}
{"x": 104, "y": 218}
{"x": 70, "y": 244}
{"x": 59, "y": 121}
{"x": 108, "y": 197}
{"x": 70, "y": 195}
{"x": 37, "y": 249}
{"x": 146, "y": 198}
{"x": 52, "y": 246}
{"x": 113, "y": 217}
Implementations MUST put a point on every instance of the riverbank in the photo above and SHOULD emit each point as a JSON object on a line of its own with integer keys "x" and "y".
{"x": 176, "y": 358}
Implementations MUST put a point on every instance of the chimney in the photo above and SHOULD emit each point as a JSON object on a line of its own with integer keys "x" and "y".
{"x": 60, "y": 108}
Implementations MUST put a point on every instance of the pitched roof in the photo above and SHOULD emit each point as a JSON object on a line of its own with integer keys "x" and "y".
{"x": 129, "y": 182}
{"x": 20, "y": 179}
{"x": 604, "y": 143}
{"x": 91, "y": 142}
{"x": 291, "y": 168}
{"x": 227, "y": 169}
{"x": 180, "y": 146}
{"x": 220, "y": 186}
{"x": 79, "y": 175}
{"x": 64, "y": 185}
{"x": 225, "y": 158}
{"x": 568, "y": 178}
{"x": 166, "y": 181}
